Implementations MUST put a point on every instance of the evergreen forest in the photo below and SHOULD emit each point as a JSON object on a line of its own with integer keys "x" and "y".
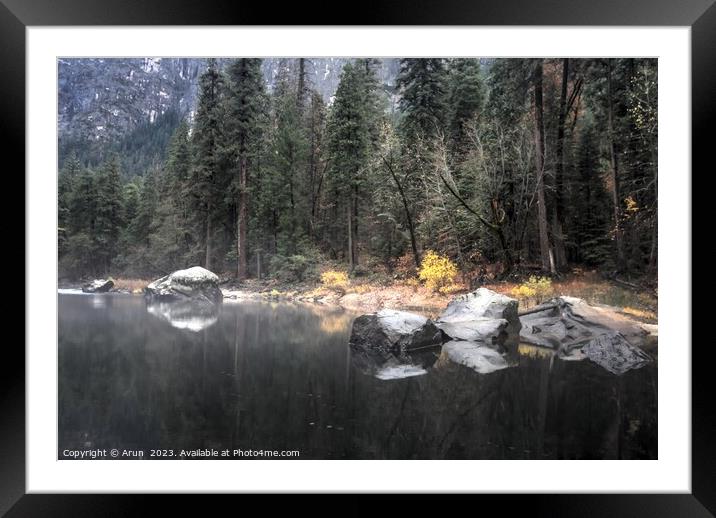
{"x": 504, "y": 166}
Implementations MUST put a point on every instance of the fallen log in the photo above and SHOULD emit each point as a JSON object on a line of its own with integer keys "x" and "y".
{"x": 537, "y": 309}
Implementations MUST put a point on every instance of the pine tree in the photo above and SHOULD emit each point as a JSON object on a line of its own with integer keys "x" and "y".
{"x": 65, "y": 187}
{"x": 352, "y": 129}
{"x": 423, "y": 87}
{"x": 316, "y": 163}
{"x": 202, "y": 192}
{"x": 108, "y": 216}
{"x": 288, "y": 154}
{"x": 170, "y": 232}
{"x": 590, "y": 204}
{"x": 466, "y": 98}
{"x": 140, "y": 226}
{"x": 246, "y": 103}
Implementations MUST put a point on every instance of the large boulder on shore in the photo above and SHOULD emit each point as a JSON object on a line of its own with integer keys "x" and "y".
{"x": 98, "y": 286}
{"x": 393, "y": 332}
{"x": 480, "y": 316}
{"x": 196, "y": 284}
{"x": 571, "y": 326}
{"x": 564, "y": 323}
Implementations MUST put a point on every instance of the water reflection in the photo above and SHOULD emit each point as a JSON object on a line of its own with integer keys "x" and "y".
{"x": 186, "y": 315}
{"x": 480, "y": 357}
{"x": 283, "y": 377}
{"x": 384, "y": 365}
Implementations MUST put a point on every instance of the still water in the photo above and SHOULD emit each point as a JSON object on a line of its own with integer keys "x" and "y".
{"x": 281, "y": 376}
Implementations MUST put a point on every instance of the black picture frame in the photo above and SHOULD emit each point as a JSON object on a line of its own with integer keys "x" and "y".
{"x": 700, "y": 15}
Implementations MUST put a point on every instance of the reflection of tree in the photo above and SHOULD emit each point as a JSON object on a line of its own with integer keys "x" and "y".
{"x": 270, "y": 378}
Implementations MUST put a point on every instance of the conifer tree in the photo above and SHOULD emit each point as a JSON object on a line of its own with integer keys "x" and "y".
{"x": 423, "y": 86}
{"x": 466, "y": 98}
{"x": 65, "y": 186}
{"x": 202, "y": 191}
{"x": 246, "y": 104}
{"x": 351, "y": 128}
{"x": 108, "y": 214}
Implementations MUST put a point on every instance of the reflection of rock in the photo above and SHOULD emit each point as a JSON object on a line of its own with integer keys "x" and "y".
{"x": 390, "y": 331}
{"x": 480, "y": 316}
{"x": 185, "y": 314}
{"x": 615, "y": 353}
{"x": 577, "y": 330}
{"x": 389, "y": 366}
{"x": 400, "y": 371}
{"x": 477, "y": 356}
{"x": 98, "y": 286}
{"x": 489, "y": 330}
{"x": 196, "y": 284}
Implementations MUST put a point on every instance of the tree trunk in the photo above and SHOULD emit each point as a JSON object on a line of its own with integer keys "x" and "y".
{"x": 207, "y": 260}
{"x": 350, "y": 238}
{"x": 558, "y": 224}
{"x": 495, "y": 227}
{"x": 242, "y": 224}
{"x": 618, "y": 237}
{"x": 654, "y": 231}
{"x": 292, "y": 229}
{"x": 301, "y": 83}
{"x": 355, "y": 226}
{"x": 545, "y": 249}
{"x": 408, "y": 215}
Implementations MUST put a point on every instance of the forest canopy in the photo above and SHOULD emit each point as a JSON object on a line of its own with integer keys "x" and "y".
{"x": 521, "y": 164}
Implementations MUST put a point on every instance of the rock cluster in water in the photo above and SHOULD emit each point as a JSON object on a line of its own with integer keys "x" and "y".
{"x": 476, "y": 329}
{"x": 482, "y": 329}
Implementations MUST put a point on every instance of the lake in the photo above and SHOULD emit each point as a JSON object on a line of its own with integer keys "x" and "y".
{"x": 281, "y": 377}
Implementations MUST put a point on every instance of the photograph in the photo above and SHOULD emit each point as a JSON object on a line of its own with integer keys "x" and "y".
{"x": 385, "y": 258}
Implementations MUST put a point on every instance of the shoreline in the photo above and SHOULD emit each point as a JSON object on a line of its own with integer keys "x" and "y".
{"x": 368, "y": 301}
{"x": 410, "y": 296}
{"x": 364, "y": 299}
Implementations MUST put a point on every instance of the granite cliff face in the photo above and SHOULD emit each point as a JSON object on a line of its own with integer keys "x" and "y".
{"x": 103, "y": 99}
{"x": 127, "y": 103}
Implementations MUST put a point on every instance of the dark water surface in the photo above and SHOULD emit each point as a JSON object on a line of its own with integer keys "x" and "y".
{"x": 279, "y": 376}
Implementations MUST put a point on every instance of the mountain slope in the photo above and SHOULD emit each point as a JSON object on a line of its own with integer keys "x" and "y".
{"x": 132, "y": 105}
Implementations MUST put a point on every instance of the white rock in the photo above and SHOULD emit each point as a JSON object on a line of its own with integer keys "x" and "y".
{"x": 399, "y": 323}
{"x": 483, "y": 316}
{"x": 194, "y": 283}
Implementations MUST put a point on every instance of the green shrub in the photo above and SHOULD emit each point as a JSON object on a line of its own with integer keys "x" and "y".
{"x": 293, "y": 268}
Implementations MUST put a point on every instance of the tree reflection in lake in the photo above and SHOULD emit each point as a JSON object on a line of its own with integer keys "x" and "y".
{"x": 281, "y": 377}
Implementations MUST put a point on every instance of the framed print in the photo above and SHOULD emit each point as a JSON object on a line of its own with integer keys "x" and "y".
{"x": 384, "y": 257}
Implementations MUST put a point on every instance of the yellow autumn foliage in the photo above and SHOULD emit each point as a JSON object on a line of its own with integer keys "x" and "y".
{"x": 334, "y": 279}
{"x": 437, "y": 272}
{"x": 538, "y": 288}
